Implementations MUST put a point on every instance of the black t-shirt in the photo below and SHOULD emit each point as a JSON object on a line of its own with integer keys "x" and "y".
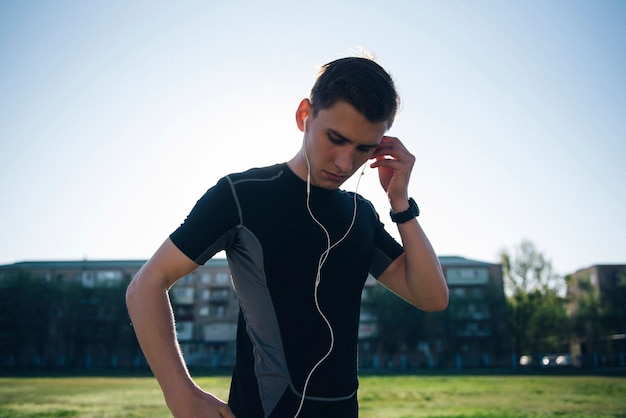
{"x": 274, "y": 247}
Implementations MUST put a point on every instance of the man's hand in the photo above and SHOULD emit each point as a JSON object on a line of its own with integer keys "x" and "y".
{"x": 199, "y": 404}
{"x": 394, "y": 163}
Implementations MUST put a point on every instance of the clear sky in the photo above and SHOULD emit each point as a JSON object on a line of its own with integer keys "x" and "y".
{"x": 116, "y": 116}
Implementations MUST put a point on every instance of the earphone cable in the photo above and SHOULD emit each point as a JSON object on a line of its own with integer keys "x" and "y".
{"x": 320, "y": 264}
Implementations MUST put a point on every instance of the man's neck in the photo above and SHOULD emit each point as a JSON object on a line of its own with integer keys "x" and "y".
{"x": 298, "y": 165}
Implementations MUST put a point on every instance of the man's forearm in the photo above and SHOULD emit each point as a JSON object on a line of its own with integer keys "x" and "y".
{"x": 424, "y": 277}
{"x": 153, "y": 320}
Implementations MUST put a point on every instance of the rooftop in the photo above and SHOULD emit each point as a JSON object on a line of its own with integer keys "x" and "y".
{"x": 446, "y": 261}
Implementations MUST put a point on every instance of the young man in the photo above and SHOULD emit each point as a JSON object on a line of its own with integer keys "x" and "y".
{"x": 299, "y": 251}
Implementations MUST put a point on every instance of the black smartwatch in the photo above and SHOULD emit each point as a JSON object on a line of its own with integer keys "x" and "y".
{"x": 402, "y": 217}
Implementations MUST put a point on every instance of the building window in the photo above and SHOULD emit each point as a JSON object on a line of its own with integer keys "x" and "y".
{"x": 467, "y": 276}
{"x": 458, "y": 292}
{"x": 220, "y": 332}
{"x": 182, "y": 295}
{"x": 222, "y": 277}
{"x": 188, "y": 279}
{"x": 184, "y": 330}
{"x": 220, "y": 294}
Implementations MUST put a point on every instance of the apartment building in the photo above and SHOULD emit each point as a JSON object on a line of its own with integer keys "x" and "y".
{"x": 472, "y": 332}
{"x": 599, "y": 328}
{"x": 94, "y": 330}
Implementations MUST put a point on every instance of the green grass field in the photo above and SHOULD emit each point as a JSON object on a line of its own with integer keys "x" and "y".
{"x": 380, "y": 396}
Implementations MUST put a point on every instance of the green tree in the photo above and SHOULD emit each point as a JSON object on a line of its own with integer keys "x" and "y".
{"x": 400, "y": 325}
{"x": 537, "y": 310}
{"x": 27, "y": 303}
{"x": 528, "y": 270}
{"x": 52, "y": 322}
{"x": 548, "y": 324}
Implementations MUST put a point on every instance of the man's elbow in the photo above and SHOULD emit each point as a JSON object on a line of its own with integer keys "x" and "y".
{"x": 438, "y": 303}
{"x": 441, "y": 305}
{"x": 131, "y": 295}
{"x": 136, "y": 290}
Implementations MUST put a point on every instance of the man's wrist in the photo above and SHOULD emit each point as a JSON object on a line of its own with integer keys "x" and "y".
{"x": 399, "y": 203}
{"x": 410, "y": 211}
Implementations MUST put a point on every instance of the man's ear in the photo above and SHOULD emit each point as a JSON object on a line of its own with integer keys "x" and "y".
{"x": 305, "y": 110}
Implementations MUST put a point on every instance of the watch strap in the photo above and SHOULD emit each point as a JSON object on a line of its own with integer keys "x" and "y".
{"x": 402, "y": 217}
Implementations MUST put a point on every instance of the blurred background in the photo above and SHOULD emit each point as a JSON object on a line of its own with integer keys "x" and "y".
{"x": 116, "y": 116}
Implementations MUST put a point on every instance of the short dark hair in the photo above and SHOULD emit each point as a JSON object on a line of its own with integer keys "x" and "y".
{"x": 360, "y": 82}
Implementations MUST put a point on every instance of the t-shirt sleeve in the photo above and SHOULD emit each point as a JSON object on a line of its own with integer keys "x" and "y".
{"x": 210, "y": 226}
{"x": 386, "y": 250}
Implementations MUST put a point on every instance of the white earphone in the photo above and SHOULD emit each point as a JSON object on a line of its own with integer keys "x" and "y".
{"x": 320, "y": 264}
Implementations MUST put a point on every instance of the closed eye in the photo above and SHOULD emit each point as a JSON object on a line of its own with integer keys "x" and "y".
{"x": 338, "y": 139}
{"x": 366, "y": 148}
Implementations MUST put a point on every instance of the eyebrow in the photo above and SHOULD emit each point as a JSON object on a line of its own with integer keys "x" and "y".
{"x": 346, "y": 139}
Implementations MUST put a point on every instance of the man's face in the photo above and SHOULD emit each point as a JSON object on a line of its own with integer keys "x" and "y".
{"x": 339, "y": 140}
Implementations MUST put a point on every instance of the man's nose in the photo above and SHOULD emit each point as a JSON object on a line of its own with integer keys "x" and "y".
{"x": 344, "y": 160}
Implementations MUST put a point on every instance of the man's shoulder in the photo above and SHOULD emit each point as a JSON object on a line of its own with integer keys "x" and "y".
{"x": 361, "y": 200}
{"x": 258, "y": 173}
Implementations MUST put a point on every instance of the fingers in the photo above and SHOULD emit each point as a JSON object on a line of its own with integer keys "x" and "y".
{"x": 201, "y": 404}
{"x": 394, "y": 163}
{"x": 390, "y": 152}
{"x": 225, "y": 411}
